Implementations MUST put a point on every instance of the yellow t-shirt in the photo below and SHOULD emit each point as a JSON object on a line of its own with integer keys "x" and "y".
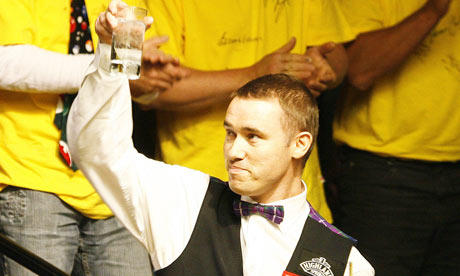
{"x": 414, "y": 111}
{"x": 219, "y": 35}
{"x": 29, "y": 155}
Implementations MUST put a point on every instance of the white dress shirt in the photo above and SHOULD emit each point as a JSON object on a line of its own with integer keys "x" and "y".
{"x": 159, "y": 203}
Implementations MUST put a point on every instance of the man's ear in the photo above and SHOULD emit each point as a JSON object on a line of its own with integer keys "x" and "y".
{"x": 301, "y": 144}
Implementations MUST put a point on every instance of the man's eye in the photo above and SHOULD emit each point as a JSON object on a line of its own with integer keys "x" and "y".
{"x": 229, "y": 132}
{"x": 252, "y": 136}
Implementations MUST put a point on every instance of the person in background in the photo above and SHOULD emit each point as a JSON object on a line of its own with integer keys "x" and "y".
{"x": 45, "y": 205}
{"x": 224, "y": 44}
{"x": 194, "y": 224}
{"x": 398, "y": 127}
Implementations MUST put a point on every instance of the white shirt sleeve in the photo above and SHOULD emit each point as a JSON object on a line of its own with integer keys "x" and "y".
{"x": 27, "y": 68}
{"x": 156, "y": 202}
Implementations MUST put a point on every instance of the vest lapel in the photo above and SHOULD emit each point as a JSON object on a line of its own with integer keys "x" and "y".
{"x": 214, "y": 247}
{"x": 320, "y": 252}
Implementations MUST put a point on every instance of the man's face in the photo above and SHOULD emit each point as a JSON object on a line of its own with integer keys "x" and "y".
{"x": 257, "y": 149}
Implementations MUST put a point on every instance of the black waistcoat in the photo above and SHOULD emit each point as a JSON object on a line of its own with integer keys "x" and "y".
{"x": 214, "y": 248}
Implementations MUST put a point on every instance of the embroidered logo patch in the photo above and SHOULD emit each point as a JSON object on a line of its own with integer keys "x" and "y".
{"x": 317, "y": 267}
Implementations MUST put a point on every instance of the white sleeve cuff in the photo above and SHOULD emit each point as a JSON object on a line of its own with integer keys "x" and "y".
{"x": 101, "y": 59}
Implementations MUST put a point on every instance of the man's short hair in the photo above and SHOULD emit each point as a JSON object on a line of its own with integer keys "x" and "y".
{"x": 295, "y": 99}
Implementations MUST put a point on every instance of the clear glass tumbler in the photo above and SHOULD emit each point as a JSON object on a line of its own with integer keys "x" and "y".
{"x": 127, "y": 40}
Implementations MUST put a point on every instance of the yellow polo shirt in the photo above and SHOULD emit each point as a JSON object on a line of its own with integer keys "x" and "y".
{"x": 412, "y": 112}
{"x": 219, "y": 35}
{"x": 29, "y": 155}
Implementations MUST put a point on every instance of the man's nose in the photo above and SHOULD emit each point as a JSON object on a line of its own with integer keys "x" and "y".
{"x": 237, "y": 149}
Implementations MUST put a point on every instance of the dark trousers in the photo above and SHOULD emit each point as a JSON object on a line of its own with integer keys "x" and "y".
{"x": 405, "y": 214}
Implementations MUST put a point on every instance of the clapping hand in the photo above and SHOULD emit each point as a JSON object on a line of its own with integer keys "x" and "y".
{"x": 283, "y": 61}
{"x": 158, "y": 72}
{"x": 324, "y": 75}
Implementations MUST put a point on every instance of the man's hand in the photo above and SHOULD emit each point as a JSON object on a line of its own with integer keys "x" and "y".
{"x": 106, "y": 21}
{"x": 324, "y": 75}
{"x": 158, "y": 72}
{"x": 283, "y": 61}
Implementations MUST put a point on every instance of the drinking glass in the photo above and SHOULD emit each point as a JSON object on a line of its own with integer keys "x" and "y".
{"x": 127, "y": 39}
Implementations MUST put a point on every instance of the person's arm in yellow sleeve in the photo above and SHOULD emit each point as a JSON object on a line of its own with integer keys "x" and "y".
{"x": 374, "y": 53}
{"x": 201, "y": 89}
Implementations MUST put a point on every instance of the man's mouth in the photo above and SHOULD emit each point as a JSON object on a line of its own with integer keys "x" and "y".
{"x": 233, "y": 169}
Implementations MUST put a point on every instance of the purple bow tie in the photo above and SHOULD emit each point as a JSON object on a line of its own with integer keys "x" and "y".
{"x": 274, "y": 213}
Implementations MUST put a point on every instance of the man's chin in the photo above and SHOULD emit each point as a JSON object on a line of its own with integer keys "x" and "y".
{"x": 237, "y": 186}
{"x": 241, "y": 187}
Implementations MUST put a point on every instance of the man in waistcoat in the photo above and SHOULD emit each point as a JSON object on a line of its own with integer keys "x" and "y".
{"x": 257, "y": 223}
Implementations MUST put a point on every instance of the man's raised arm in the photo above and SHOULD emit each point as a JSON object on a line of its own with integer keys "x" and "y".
{"x": 136, "y": 188}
